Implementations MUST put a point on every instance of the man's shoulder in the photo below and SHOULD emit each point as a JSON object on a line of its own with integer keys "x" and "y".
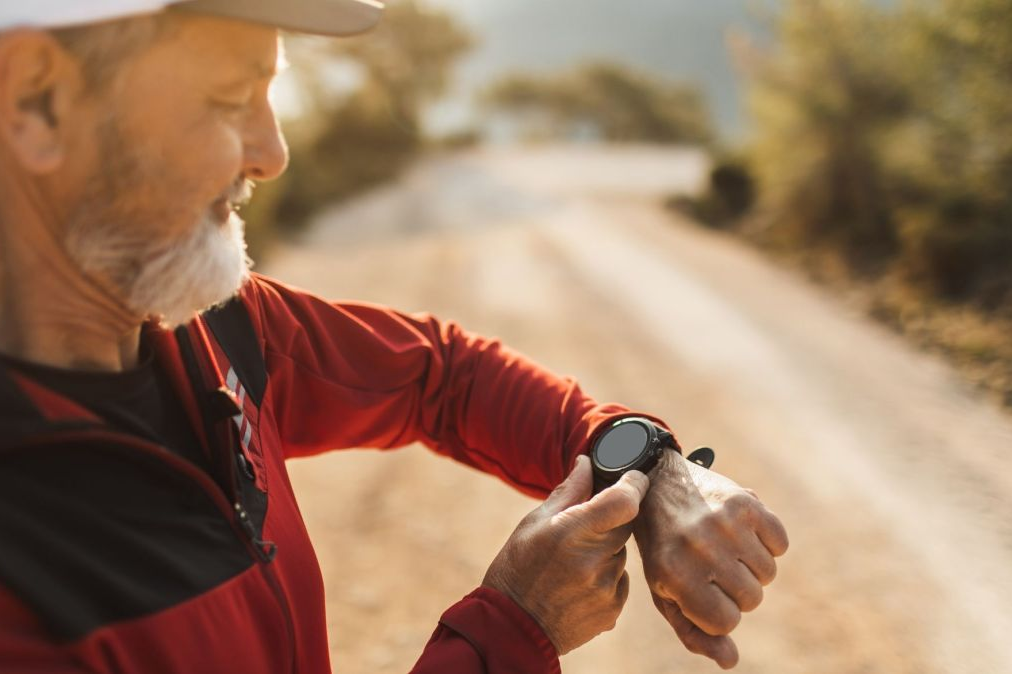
{"x": 272, "y": 303}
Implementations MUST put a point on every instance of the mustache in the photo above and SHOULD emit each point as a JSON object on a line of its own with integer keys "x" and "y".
{"x": 240, "y": 193}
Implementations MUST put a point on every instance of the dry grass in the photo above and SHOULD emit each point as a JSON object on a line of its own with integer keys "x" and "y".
{"x": 977, "y": 343}
{"x": 980, "y": 345}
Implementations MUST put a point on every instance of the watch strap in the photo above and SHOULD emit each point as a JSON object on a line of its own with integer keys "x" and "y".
{"x": 600, "y": 484}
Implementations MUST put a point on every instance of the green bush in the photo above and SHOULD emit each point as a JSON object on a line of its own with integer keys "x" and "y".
{"x": 885, "y": 132}
{"x": 617, "y": 102}
{"x": 955, "y": 171}
{"x": 729, "y": 196}
{"x": 347, "y": 141}
{"x": 823, "y": 103}
{"x": 361, "y": 145}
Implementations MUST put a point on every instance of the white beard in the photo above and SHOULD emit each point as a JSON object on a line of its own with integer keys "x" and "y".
{"x": 171, "y": 283}
{"x": 206, "y": 269}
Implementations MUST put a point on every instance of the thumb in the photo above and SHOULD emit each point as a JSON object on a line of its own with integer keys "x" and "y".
{"x": 575, "y": 489}
{"x": 612, "y": 507}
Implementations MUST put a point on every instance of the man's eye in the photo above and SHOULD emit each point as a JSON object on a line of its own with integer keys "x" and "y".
{"x": 234, "y": 102}
{"x": 231, "y": 105}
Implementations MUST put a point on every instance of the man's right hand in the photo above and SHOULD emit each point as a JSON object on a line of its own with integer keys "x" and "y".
{"x": 565, "y": 562}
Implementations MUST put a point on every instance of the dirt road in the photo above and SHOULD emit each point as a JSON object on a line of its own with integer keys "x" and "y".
{"x": 893, "y": 478}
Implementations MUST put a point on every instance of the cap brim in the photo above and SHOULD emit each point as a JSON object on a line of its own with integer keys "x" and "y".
{"x": 336, "y": 18}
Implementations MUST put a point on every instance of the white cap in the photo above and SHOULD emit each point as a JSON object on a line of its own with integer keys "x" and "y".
{"x": 323, "y": 17}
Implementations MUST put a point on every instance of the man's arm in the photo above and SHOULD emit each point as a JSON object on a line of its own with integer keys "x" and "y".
{"x": 360, "y": 375}
{"x": 371, "y": 377}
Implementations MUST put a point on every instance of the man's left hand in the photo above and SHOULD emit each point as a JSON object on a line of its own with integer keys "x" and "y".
{"x": 708, "y": 548}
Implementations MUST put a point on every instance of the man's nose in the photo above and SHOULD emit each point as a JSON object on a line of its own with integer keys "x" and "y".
{"x": 265, "y": 151}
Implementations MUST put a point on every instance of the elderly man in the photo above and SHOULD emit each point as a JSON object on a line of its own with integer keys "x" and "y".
{"x": 146, "y": 517}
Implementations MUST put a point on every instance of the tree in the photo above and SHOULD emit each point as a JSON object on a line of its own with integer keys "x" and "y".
{"x": 823, "y": 103}
{"x": 617, "y": 102}
{"x": 885, "y": 131}
{"x": 349, "y": 137}
{"x": 954, "y": 163}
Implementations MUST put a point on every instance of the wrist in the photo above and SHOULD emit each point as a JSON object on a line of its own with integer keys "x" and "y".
{"x": 672, "y": 470}
{"x": 671, "y": 484}
{"x": 496, "y": 584}
{"x": 504, "y": 634}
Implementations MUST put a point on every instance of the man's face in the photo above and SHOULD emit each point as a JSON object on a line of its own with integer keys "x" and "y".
{"x": 176, "y": 139}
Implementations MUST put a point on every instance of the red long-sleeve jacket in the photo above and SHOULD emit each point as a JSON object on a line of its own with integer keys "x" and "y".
{"x": 117, "y": 555}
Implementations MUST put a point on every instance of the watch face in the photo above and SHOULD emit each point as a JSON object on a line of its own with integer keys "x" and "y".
{"x": 621, "y": 445}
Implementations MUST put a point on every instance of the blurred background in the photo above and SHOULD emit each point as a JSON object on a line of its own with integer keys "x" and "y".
{"x": 783, "y": 225}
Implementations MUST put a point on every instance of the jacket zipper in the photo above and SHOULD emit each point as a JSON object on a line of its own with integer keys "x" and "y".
{"x": 265, "y": 550}
{"x": 262, "y": 551}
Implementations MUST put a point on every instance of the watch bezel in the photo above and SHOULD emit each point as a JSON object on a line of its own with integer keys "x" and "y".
{"x": 644, "y": 461}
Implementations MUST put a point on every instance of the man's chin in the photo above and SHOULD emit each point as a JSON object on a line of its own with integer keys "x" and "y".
{"x": 204, "y": 271}
{"x": 182, "y": 316}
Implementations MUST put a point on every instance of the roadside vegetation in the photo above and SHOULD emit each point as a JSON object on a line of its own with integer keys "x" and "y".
{"x": 359, "y": 122}
{"x": 881, "y": 161}
{"x": 879, "y": 156}
{"x": 601, "y": 101}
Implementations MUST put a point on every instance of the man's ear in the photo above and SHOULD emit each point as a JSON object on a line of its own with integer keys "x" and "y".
{"x": 38, "y": 82}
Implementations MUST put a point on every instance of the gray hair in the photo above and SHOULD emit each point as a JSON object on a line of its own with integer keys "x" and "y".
{"x": 103, "y": 47}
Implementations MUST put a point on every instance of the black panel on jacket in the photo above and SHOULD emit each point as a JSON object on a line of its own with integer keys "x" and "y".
{"x": 140, "y": 401}
{"x": 92, "y": 535}
{"x": 20, "y": 419}
{"x": 233, "y": 328}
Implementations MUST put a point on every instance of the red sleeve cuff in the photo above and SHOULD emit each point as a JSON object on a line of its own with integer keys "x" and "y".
{"x": 604, "y": 425}
{"x": 506, "y": 637}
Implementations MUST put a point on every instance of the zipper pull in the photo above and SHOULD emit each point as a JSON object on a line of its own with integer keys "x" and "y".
{"x": 266, "y": 550}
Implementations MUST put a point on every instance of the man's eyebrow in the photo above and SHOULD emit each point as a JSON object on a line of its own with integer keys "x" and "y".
{"x": 262, "y": 70}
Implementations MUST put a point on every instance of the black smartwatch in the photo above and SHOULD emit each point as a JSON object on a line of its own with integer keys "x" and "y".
{"x": 633, "y": 443}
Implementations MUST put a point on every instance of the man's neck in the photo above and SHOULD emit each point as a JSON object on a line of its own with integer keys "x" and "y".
{"x": 52, "y": 313}
{"x": 68, "y": 344}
